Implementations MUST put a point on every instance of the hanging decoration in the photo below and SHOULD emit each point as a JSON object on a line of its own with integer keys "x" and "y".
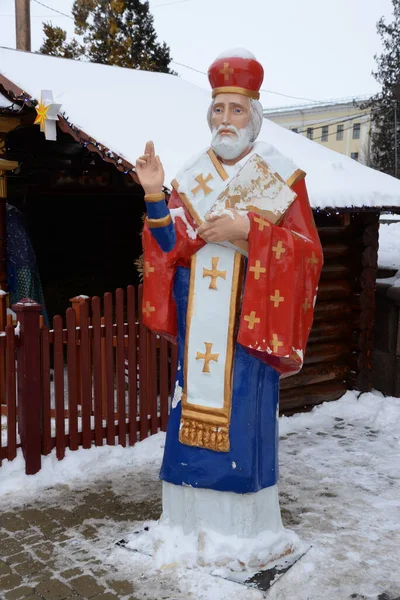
{"x": 47, "y": 117}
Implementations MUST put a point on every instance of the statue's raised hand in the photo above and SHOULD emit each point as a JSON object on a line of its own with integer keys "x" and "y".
{"x": 150, "y": 171}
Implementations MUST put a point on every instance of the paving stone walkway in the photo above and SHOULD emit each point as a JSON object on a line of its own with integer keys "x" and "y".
{"x": 58, "y": 547}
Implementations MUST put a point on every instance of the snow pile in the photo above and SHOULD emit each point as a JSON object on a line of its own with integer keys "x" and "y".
{"x": 161, "y": 106}
{"x": 78, "y": 467}
{"x": 169, "y": 546}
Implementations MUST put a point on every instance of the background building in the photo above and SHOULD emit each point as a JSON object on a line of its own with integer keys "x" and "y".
{"x": 341, "y": 125}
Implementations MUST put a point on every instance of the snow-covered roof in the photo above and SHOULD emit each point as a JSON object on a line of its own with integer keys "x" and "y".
{"x": 123, "y": 108}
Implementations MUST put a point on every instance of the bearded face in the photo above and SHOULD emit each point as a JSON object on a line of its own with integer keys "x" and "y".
{"x": 229, "y": 142}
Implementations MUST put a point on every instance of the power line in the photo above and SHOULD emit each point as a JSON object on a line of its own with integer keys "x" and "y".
{"x": 262, "y": 90}
{"x": 328, "y": 134}
{"x": 335, "y": 121}
{"x": 53, "y": 9}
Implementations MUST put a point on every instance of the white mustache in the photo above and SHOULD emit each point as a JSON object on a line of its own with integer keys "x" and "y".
{"x": 226, "y": 128}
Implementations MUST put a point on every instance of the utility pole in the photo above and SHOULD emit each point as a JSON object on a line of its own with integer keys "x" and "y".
{"x": 23, "y": 24}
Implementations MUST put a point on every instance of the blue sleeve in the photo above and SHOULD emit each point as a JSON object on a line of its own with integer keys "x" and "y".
{"x": 161, "y": 225}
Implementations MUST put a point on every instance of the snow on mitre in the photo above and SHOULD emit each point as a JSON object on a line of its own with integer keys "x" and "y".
{"x": 236, "y": 71}
{"x": 46, "y": 117}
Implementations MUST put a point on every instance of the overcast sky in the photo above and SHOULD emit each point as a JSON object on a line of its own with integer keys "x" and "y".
{"x": 312, "y": 49}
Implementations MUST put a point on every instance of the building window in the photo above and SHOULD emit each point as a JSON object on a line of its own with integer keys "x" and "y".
{"x": 310, "y": 132}
{"x": 294, "y": 129}
{"x": 356, "y": 131}
{"x": 325, "y": 132}
{"x": 354, "y": 155}
{"x": 339, "y": 133}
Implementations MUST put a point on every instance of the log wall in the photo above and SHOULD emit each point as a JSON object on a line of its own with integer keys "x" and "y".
{"x": 339, "y": 351}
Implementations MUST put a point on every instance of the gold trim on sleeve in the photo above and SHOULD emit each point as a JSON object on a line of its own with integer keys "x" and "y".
{"x": 154, "y": 197}
{"x": 156, "y": 223}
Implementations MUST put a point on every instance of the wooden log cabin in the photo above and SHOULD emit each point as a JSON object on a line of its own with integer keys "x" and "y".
{"x": 339, "y": 353}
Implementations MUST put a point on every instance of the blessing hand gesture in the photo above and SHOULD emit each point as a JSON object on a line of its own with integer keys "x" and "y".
{"x": 150, "y": 171}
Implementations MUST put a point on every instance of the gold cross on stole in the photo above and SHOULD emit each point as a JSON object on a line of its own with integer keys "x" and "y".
{"x": 147, "y": 268}
{"x": 214, "y": 273}
{"x": 276, "y": 299}
{"x": 148, "y": 309}
{"x": 252, "y": 319}
{"x": 275, "y": 343}
{"x": 207, "y": 357}
{"x": 203, "y": 184}
{"x": 257, "y": 269}
{"x": 278, "y": 250}
{"x": 226, "y": 71}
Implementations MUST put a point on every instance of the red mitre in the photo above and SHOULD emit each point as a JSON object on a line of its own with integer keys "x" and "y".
{"x": 237, "y": 74}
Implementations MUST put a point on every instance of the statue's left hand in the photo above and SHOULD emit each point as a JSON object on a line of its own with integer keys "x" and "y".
{"x": 224, "y": 227}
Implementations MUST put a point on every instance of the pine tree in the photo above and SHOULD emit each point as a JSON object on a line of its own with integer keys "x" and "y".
{"x": 385, "y": 103}
{"x": 114, "y": 32}
{"x": 56, "y": 44}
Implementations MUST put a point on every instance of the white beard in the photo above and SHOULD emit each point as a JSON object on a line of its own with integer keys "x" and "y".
{"x": 230, "y": 147}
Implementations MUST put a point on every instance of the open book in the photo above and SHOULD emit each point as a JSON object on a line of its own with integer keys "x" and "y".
{"x": 258, "y": 189}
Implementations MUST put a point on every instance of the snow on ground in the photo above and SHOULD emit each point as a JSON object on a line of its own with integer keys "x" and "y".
{"x": 339, "y": 489}
{"x": 389, "y": 245}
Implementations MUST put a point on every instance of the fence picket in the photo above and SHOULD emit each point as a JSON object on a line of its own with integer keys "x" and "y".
{"x": 59, "y": 386}
{"x": 86, "y": 374}
{"x": 132, "y": 365}
{"x": 73, "y": 382}
{"x": 97, "y": 369}
{"x": 164, "y": 383}
{"x": 153, "y": 382}
{"x": 120, "y": 367}
{"x": 11, "y": 394}
{"x": 46, "y": 398}
{"x": 109, "y": 350}
{"x": 144, "y": 427}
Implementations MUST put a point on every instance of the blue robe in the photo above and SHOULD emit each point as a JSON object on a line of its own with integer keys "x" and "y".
{"x": 252, "y": 462}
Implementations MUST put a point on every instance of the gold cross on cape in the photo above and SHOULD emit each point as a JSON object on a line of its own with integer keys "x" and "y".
{"x": 214, "y": 273}
{"x": 207, "y": 357}
{"x": 203, "y": 184}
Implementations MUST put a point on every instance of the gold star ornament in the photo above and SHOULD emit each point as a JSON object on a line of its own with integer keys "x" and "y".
{"x": 46, "y": 116}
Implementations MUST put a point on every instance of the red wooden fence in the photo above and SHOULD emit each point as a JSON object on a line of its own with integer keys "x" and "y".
{"x": 100, "y": 377}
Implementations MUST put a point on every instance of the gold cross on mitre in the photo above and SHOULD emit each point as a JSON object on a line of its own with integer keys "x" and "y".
{"x": 214, "y": 273}
{"x": 207, "y": 357}
{"x": 147, "y": 268}
{"x": 252, "y": 319}
{"x": 257, "y": 269}
{"x": 276, "y": 299}
{"x": 278, "y": 250}
{"x": 275, "y": 343}
{"x": 203, "y": 184}
{"x": 226, "y": 71}
{"x": 313, "y": 260}
{"x": 148, "y": 309}
{"x": 306, "y": 306}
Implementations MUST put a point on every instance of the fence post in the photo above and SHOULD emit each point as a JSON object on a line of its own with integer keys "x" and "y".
{"x": 3, "y": 323}
{"x": 29, "y": 401}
